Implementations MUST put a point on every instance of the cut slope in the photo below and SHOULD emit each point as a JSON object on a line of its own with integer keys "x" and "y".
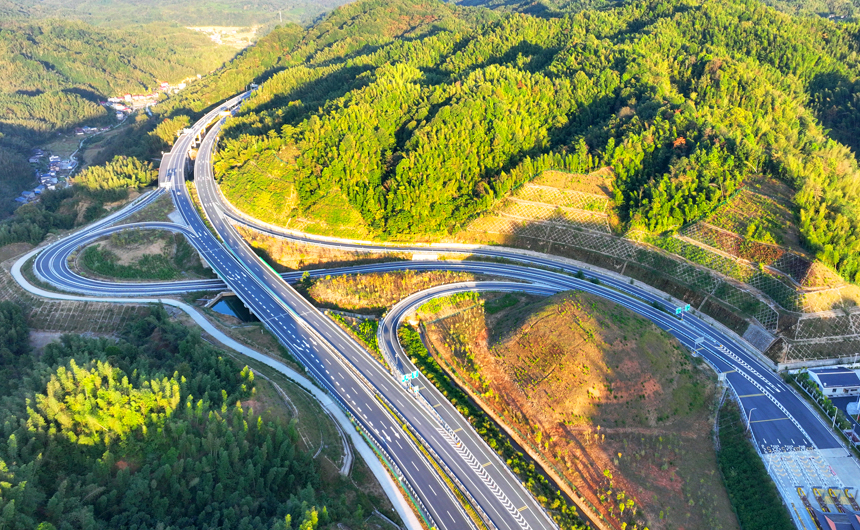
{"x": 609, "y": 399}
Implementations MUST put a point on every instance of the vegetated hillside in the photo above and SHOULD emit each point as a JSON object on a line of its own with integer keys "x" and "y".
{"x": 349, "y": 30}
{"x": 610, "y": 400}
{"x": 154, "y": 429}
{"x": 121, "y": 13}
{"x": 824, "y": 8}
{"x": 412, "y": 134}
{"x": 53, "y": 73}
{"x": 97, "y": 189}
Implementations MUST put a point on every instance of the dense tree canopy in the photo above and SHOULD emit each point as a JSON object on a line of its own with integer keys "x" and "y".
{"x": 121, "y": 172}
{"x": 685, "y": 100}
{"x": 149, "y": 431}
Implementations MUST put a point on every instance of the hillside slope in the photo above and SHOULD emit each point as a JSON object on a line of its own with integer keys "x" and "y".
{"x": 53, "y": 73}
{"x": 685, "y": 101}
{"x": 607, "y": 398}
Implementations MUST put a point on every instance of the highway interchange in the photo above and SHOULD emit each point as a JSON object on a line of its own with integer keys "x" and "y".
{"x": 423, "y": 436}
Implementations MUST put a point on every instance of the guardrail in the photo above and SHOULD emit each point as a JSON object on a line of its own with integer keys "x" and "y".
{"x": 387, "y": 460}
{"x": 388, "y": 405}
{"x": 378, "y": 394}
{"x": 386, "y": 457}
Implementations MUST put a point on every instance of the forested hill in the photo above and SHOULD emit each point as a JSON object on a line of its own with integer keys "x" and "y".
{"x": 348, "y": 31}
{"x": 400, "y": 135}
{"x": 264, "y": 13}
{"x": 156, "y": 430}
{"x": 823, "y": 8}
{"x": 54, "y": 72}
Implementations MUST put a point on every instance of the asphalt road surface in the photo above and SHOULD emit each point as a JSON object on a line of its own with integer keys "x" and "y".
{"x": 365, "y": 388}
{"x": 399, "y": 420}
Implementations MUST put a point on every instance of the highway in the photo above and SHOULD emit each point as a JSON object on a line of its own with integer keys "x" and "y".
{"x": 399, "y": 420}
{"x": 781, "y": 418}
{"x": 784, "y": 427}
{"x": 366, "y": 389}
{"x": 271, "y": 303}
{"x": 310, "y": 347}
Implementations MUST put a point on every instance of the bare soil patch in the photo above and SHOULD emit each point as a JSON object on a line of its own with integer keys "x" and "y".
{"x": 14, "y": 249}
{"x": 130, "y": 254}
{"x": 40, "y": 339}
{"x": 609, "y": 399}
{"x": 157, "y": 211}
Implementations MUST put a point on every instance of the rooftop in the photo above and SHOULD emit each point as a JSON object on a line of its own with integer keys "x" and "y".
{"x": 836, "y": 377}
{"x": 838, "y": 521}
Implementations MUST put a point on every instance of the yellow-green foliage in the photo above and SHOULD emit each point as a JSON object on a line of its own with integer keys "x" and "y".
{"x": 167, "y": 129}
{"x": 121, "y": 172}
{"x": 157, "y": 426}
{"x": 685, "y": 101}
{"x": 98, "y": 404}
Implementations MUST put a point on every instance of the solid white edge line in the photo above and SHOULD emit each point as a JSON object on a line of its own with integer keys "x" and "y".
{"x": 401, "y": 505}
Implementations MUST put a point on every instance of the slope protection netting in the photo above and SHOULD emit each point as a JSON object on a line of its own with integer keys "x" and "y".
{"x": 804, "y": 271}
{"x": 823, "y": 327}
{"x": 783, "y": 294}
{"x": 69, "y": 316}
{"x": 531, "y": 211}
{"x": 537, "y": 212}
{"x": 567, "y": 198}
{"x": 812, "y": 351}
{"x": 627, "y": 249}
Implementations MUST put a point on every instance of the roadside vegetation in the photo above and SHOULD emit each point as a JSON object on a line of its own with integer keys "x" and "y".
{"x": 158, "y": 211}
{"x": 284, "y": 255}
{"x": 139, "y": 254}
{"x": 364, "y": 330}
{"x": 754, "y": 495}
{"x": 608, "y": 402}
{"x": 374, "y": 293}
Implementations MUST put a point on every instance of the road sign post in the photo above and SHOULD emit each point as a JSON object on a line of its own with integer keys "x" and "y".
{"x": 406, "y": 377}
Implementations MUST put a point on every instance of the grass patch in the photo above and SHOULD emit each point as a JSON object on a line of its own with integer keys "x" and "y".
{"x": 192, "y": 192}
{"x": 156, "y": 211}
{"x": 144, "y": 255}
{"x": 148, "y": 267}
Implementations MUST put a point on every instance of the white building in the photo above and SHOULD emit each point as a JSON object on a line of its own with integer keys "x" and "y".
{"x": 836, "y": 382}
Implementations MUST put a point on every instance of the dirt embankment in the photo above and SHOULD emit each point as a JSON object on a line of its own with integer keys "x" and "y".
{"x": 611, "y": 401}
